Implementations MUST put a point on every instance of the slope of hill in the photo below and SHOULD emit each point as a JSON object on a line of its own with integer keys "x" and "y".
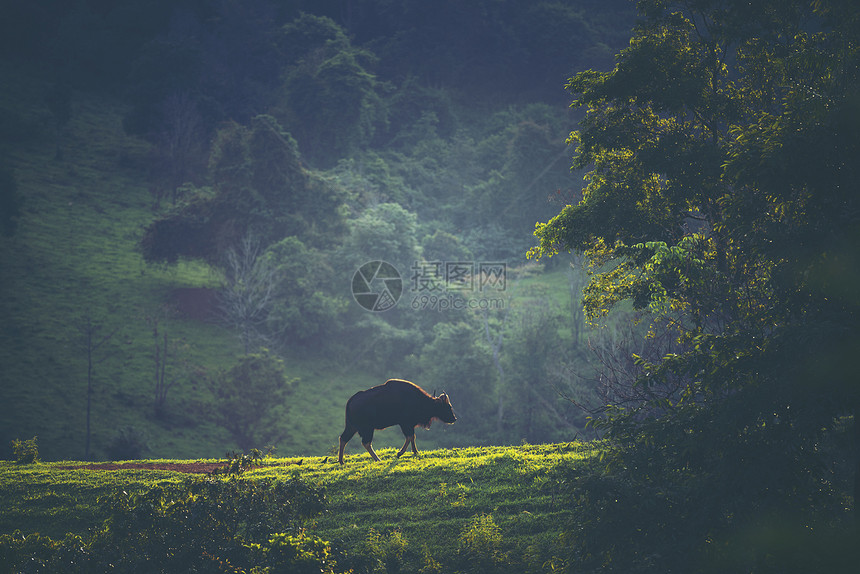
{"x": 74, "y": 258}
{"x": 74, "y": 261}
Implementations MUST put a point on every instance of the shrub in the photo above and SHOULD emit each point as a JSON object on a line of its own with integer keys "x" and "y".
{"x": 26, "y": 451}
{"x": 200, "y": 525}
{"x": 299, "y": 553}
{"x": 129, "y": 443}
{"x": 385, "y": 552}
{"x": 237, "y": 463}
{"x": 250, "y": 398}
{"x": 480, "y": 545}
{"x": 36, "y": 553}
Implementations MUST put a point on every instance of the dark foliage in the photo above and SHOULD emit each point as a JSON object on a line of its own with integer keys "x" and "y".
{"x": 250, "y": 399}
{"x": 717, "y": 205}
{"x": 201, "y": 525}
{"x": 129, "y": 443}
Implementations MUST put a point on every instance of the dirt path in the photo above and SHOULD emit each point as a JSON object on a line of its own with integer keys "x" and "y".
{"x": 189, "y": 467}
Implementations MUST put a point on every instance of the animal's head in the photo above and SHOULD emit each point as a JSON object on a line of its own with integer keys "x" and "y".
{"x": 445, "y": 412}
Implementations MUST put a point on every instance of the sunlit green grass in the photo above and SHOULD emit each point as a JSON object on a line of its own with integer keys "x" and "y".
{"x": 433, "y": 496}
{"x": 52, "y": 500}
{"x": 428, "y": 499}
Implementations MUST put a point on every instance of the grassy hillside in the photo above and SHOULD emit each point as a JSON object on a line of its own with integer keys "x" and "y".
{"x": 422, "y": 505}
{"x": 74, "y": 257}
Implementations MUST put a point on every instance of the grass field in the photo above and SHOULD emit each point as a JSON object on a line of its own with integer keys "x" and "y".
{"x": 422, "y": 505}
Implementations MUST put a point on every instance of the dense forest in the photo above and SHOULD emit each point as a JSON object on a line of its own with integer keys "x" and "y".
{"x": 220, "y": 219}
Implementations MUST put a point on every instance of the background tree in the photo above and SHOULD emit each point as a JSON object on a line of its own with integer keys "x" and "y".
{"x": 246, "y": 295}
{"x": 534, "y": 412}
{"x": 259, "y": 186}
{"x": 92, "y": 339}
{"x": 250, "y": 399}
{"x": 166, "y": 353}
{"x": 306, "y": 305}
{"x": 332, "y": 98}
{"x": 179, "y": 148}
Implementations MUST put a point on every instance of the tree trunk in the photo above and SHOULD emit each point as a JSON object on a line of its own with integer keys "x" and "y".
{"x": 89, "y": 335}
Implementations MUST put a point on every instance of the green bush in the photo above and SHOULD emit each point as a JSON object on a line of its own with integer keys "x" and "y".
{"x": 384, "y": 552}
{"x": 200, "y": 525}
{"x": 299, "y": 553}
{"x": 26, "y": 451}
{"x": 481, "y": 545}
{"x": 129, "y": 443}
{"x": 36, "y": 553}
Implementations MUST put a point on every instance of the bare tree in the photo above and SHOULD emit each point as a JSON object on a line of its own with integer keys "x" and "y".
{"x": 164, "y": 351}
{"x": 246, "y": 295}
{"x": 92, "y": 341}
{"x": 179, "y": 146}
{"x": 615, "y": 374}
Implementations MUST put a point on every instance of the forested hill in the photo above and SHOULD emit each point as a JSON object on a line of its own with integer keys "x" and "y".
{"x": 188, "y": 189}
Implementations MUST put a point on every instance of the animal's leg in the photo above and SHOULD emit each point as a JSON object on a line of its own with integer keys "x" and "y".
{"x": 372, "y": 452}
{"x": 414, "y": 448}
{"x": 409, "y": 439}
{"x": 347, "y": 434}
{"x": 367, "y": 441}
{"x": 340, "y": 452}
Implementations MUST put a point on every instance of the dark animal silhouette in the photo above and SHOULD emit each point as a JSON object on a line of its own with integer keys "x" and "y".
{"x": 397, "y": 402}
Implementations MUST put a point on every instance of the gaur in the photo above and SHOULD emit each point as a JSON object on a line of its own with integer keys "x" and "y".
{"x": 396, "y": 402}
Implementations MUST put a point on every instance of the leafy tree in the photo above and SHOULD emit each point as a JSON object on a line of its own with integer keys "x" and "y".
{"x": 385, "y": 232}
{"x": 304, "y": 306}
{"x": 721, "y": 199}
{"x": 332, "y": 98}
{"x": 250, "y": 399}
{"x": 259, "y": 186}
{"x": 444, "y": 246}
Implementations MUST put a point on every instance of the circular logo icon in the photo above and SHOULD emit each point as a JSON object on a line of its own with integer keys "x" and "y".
{"x": 377, "y": 286}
